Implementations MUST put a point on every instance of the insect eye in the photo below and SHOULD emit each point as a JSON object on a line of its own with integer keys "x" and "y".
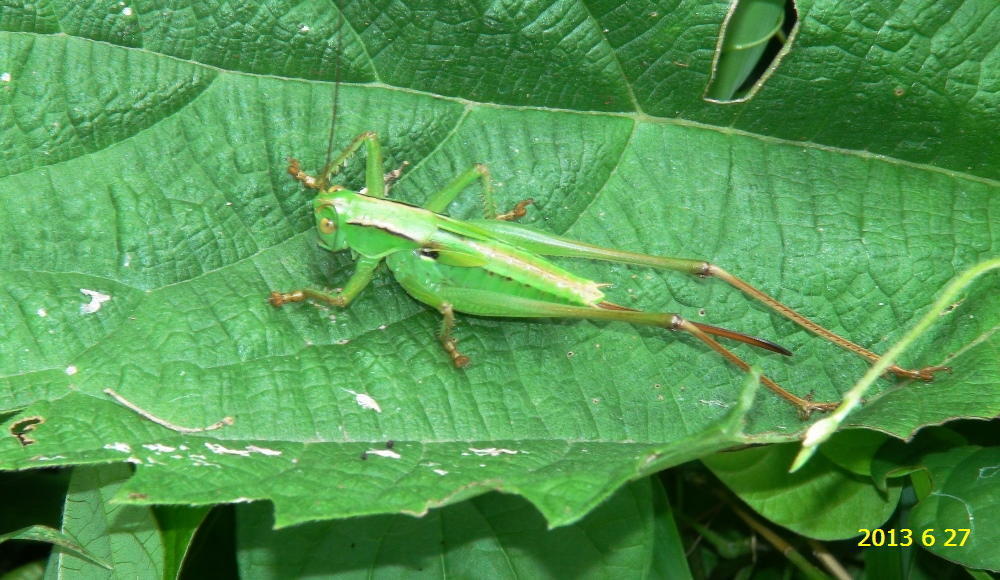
{"x": 327, "y": 225}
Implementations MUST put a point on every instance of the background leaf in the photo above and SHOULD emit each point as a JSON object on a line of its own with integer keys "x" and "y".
{"x": 118, "y": 540}
{"x": 964, "y": 492}
{"x": 822, "y": 498}
{"x": 144, "y": 158}
{"x": 497, "y": 535}
{"x": 55, "y": 537}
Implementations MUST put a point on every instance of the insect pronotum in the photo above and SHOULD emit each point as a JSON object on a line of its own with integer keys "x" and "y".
{"x": 494, "y": 267}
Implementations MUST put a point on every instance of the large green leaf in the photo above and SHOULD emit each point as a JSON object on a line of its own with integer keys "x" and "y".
{"x": 144, "y": 159}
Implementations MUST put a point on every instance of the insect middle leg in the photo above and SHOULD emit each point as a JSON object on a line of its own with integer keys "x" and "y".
{"x": 447, "y": 340}
{"x": 518, "y": 212}
{"x": 363, "y": 272}
{"x": 375, "y": 181}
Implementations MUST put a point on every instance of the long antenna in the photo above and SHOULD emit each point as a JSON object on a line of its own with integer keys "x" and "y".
{"x": 336, "y": 93}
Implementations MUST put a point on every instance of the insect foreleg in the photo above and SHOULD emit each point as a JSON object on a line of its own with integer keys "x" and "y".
{"x": 374, "y": 181}
{"x": 363, "y": 272}
{"x": 440, "y": 200}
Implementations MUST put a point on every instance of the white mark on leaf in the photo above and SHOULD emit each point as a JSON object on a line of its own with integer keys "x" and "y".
{"x": 440, "y": 472}
{"x": 5, "y": 77}
{"x": 42, "y": 312}
{"x": 222, "y": 450}
{"x": 965, "y": 504}
{"x": 96, "y": 299}
{"x": 714, "y": 403}
{"x": 492, "y": 451}
{"x": 71, "y": 370}
{"x": 202, "y": 461}
{"x": 160, "y": 448}
{"x": 384, "y": 453}
{"x": 263, "y": 450}
{"x": 366, "y": 401}
{"x": 119, "y": 446}
{"x": 245, "y": 452}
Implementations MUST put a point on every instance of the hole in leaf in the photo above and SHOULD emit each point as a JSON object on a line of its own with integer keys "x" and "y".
{"x": 20, "y": 429}
{"x": 753, "y": 38}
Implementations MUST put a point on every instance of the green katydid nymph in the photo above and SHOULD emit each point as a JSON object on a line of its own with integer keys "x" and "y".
{"x": 493, "y": 267}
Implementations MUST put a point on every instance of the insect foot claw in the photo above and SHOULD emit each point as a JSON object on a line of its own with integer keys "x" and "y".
{"x": 805, "y": 411}
{"x": 517, "y": 212}
{"x": 927, "y": 373}
{"x": 394, "y": 175}
{"x": 451, "y": 347}
{"x": 295, "y": 170}
{"x": 277, "y": 299}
